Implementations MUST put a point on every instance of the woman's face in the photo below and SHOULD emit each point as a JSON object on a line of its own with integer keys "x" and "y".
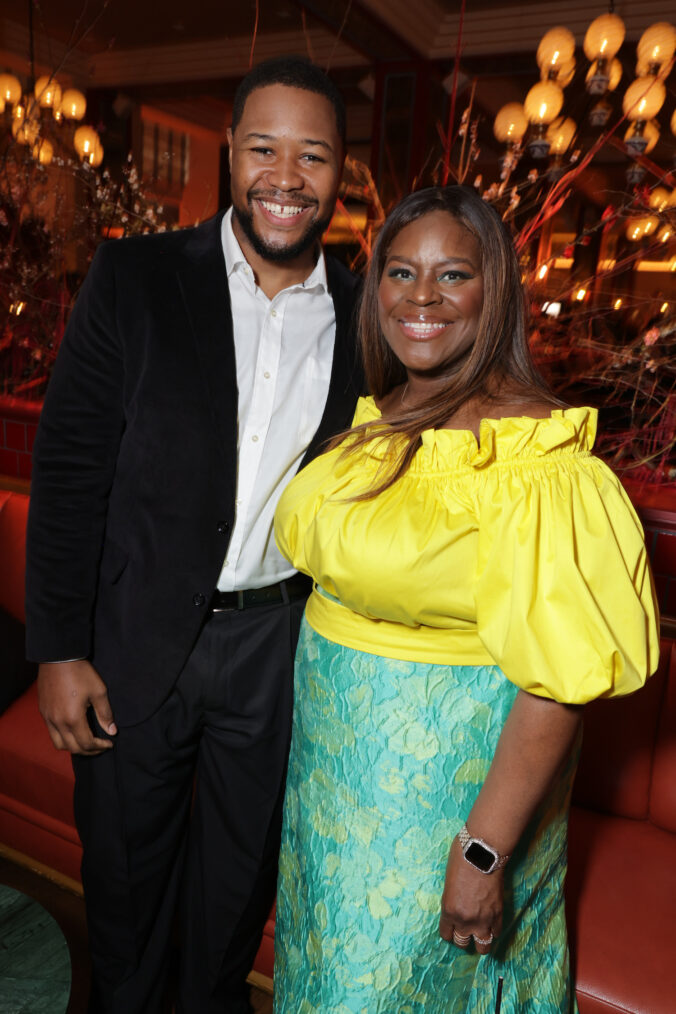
{"x": 431, "y": 293}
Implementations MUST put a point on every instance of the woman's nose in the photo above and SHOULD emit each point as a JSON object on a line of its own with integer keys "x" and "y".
{"x": 425, "y": 291}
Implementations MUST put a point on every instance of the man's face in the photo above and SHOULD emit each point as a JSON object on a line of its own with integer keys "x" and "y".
{"x": 286, "y": 159}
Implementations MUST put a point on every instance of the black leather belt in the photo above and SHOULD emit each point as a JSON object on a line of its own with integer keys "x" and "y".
{"x": 297, "y": 587}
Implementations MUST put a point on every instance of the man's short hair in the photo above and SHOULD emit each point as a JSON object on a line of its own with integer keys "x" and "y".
{"x": 294, "y": 72}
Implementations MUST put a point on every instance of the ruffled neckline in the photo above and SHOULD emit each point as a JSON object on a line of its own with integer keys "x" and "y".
{"x": 565, "y": 431}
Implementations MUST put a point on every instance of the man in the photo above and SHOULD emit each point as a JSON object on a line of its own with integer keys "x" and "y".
{"x": 199, "y": 370}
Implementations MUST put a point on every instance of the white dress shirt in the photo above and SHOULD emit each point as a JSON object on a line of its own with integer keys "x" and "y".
{"x": 284, "y": 353}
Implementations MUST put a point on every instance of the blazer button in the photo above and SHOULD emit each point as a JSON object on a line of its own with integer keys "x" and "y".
{"x": 223, "y": 527}
{"x": 198, "y": 599}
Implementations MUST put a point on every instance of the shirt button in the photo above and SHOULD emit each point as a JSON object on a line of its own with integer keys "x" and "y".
{"x": 267, "y": 374}
{"x": 273, "y": 313}
{"x": 198, "y": 599}
{"x": 222, "y": 527}
{"x": 255, "y": 438}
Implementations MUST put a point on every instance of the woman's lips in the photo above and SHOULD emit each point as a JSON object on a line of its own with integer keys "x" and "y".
{"x": 422, "y": 330}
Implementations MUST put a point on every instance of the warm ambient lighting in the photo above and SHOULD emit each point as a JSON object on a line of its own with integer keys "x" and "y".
{"x": 659, "y": 198}
{"x": 640, "y": 227}
{"x": 10, "y": 89}
{"x": 642, "y": 138}
{"x": 560, "y": 134}
{"x": 610, "y": 75}
{"x": 542, "y": 273}
{"x": 580, "y": 294}
{"x": 47, "y": 91}
{"x": 643, "y": 98}
{"x": 73, "y": 104}
{"x": 604, "y": 37}
{"x": 543, "y": 103}
{"x": 617, "y": 304}
{"x": 657, "y": 44}
{"x": 664, "y": 307}
{"x": 84, "y": 142}
{"x": 556, "y": 48}
{"x": 510, "y": 123}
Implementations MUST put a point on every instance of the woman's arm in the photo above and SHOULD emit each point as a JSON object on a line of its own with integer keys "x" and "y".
{"x": 533, "y": 745}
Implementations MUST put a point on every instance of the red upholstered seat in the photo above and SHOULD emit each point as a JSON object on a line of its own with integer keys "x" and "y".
{"x": 621, "y": 889}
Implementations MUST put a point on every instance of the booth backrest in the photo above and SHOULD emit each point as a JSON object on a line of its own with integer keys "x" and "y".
{"x": 13, "y": 515}
{"x": 629, "y": 751}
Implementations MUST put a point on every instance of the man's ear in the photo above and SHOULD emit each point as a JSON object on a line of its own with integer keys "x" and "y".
{"x": 228, "y": 134}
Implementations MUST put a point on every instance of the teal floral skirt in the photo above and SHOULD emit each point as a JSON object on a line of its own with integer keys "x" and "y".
{"x": 387, "y": 758}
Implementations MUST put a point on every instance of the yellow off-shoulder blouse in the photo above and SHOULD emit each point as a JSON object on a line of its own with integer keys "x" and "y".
{"x": 521, "y": 550}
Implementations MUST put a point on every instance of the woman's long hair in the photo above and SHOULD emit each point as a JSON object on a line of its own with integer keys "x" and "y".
{"x": 500, "y": 350}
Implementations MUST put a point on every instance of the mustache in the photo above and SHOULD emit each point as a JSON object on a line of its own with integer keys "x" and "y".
{"x": 282, "y": 198}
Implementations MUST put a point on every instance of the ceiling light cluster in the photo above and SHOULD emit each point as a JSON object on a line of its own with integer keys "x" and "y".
{"x": 45, "y": 116}
{"x": 549, "y": 132}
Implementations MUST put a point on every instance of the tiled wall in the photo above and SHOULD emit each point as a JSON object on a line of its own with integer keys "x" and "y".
{"x": 18, "y": 423}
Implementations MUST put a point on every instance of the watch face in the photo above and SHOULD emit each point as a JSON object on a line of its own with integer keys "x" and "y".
{"x": 480, "y": 857}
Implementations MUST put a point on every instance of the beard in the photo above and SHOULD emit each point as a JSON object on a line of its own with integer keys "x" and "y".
{"x": 281, "y": 253}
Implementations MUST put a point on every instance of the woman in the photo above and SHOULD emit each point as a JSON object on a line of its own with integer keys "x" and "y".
{"x": 479, "y": 576}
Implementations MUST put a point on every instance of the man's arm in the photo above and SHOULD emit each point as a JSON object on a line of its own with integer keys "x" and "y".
{"x": 74, "y": 461}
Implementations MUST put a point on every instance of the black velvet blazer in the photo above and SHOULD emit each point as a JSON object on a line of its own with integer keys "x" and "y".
{"x": 134, "y": 464}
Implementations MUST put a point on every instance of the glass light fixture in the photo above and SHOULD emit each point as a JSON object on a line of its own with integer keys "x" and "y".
{"x": 665, "y": 234}
{"x": 563, "y": 74}
{"x": 634, "y": 230}
{"x": 43, "y": 151}
{"x": 557, "y": 47}
{"x": 10, "y": 88}
{"x": 604, "y": 37}
{"x": 657, "y": 45}
{"x": 659, "y": 198}
{"x": 95, "y": 156}
{"x": 84, "y": 142}
{"x": 598, "y": 81}
{"x": 47, "y": 92}
{"x": 641, "y": 138}
{"x": 560, "y": 133}
{"x": 643, "y": 98}
{"x": 543, "y": 103}
{"x": 510, "y": 123}
{"x": 73, "y": 104}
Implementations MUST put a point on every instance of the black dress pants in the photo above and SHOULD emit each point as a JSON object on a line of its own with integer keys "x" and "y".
{"x": 183, "y": 815}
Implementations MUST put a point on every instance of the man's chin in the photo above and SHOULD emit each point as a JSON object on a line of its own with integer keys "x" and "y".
{"x": 281, "y": 252}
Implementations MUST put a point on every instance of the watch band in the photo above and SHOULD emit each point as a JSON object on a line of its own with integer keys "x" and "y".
{"x": 479, "y": 854}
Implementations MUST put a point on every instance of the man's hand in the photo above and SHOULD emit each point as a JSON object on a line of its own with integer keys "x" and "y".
{"x": 471, "y": 905}
{"x": 65, "y": 692}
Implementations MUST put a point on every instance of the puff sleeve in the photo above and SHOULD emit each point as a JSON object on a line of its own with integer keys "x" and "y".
{"x": 564, "y": 595}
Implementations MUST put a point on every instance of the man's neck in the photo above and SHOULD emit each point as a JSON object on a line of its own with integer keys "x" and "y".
{"x": 273, "y": 276}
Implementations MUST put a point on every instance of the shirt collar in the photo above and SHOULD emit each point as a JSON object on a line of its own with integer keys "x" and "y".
{"x": 236, "y": 261}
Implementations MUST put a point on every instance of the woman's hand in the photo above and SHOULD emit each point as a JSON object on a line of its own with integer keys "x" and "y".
{"x": 471, "y": 905}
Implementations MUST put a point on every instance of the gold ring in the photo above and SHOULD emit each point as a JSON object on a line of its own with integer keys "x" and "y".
{"x": 460, "y": 939}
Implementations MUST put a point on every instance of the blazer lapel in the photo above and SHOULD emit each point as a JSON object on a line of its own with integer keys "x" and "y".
{"x": 203, "y": 284}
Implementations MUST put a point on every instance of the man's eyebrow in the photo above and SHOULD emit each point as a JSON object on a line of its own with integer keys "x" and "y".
{"x": 255, "y": 136}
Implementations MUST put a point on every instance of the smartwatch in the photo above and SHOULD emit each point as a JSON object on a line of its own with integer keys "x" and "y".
{"x": 480, "y": 854}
